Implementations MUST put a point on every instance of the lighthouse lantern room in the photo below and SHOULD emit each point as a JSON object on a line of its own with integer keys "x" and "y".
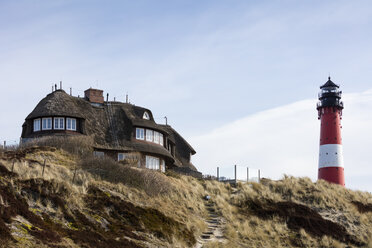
{"x": 331, "y": 163}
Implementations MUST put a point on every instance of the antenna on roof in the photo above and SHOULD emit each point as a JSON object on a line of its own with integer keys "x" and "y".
{"x": 166, "y": 120}
{"x": 107, "y": 97}
{"x": 52, "y": 88}
{"x": 60, "y": 85}
{"x": 126, "y": 98}
{"x": 70, "y": 91}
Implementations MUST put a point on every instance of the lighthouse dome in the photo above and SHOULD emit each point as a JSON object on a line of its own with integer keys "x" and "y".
{"x": 329, "y": 84}
{"x": 330, "y": 95}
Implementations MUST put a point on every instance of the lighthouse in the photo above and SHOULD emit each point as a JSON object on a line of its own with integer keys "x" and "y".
{"x": 331, "y": 162}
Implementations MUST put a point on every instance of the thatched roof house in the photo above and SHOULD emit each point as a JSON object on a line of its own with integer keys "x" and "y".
{"x": 118, "y": 129}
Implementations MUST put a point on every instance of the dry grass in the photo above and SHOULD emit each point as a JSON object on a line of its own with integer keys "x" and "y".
{"x": 180, "y": 198}
{"x": 331, "y": 201}
{"x": 177, "y": 198}
{"x": 77, "y": 145}
{"x": 152, "y": 182}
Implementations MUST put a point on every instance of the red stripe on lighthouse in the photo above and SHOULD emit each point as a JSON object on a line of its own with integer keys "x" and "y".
{"x": 330, "y": 127}
{"x": 332, "y": 175}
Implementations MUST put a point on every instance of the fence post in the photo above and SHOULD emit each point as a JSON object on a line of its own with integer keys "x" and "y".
{"x": 42, "y": 174}
{"x": 73, "y": 178}
{"x": 259, "y": 175}
{"x": 247, "y": 174}
{"x": 235, "y": 173}
{"x": 218, "y": 173}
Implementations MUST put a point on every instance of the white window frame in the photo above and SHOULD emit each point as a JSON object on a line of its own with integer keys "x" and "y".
{"x": 152, "y": 163}
{"x": 161, "y": 139}
{"x": 149, "y": 135}
{"x": 71, "y": 124}
{"x": 98, "y": 154}
{"x": 146, "y": 116}
{"x": 156, "y": 137}
{"x": 37, "y": 125}
{"x": 122, "y": 156}
{"x": 57, "y": 123}
{"x": 140, "y": 133}
{"x": 47, "y": 123}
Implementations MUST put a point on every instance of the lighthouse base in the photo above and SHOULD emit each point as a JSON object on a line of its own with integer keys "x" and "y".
{"x": 332, "y": 175}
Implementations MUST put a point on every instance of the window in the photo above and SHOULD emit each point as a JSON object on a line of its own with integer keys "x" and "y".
{"x": 98, "y": 154}
{"x": 149, "y": 135}
{"x": 140, "y": 133}
{"x": 161, "y": 137}
{"x": 71, "y": 124}
{"x": 146, "y": 116}
{"x": 121, "y": 156}
{"x": 59, "y": 123}
{"x": 152, "y": 163}
{"x": 36, "y": 125}
{"x": 156, "y": 137}
{"x": 47, "y": 123}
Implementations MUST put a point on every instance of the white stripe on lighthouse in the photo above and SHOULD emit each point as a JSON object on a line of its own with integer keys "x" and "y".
{"x": 330, "y": 155}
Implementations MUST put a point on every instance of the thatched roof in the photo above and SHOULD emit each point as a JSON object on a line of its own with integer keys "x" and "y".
{"x": 58, "y": 103}
{"x": 139, "y": 147}
{"x": 183, "y": 149}
{"x": 174, "y": 135}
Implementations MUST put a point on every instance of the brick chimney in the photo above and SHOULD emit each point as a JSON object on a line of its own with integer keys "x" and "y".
{"x": 94, "y": 95}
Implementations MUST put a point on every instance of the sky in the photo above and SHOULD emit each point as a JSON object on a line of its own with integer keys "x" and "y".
{"x": 238, "y": 79}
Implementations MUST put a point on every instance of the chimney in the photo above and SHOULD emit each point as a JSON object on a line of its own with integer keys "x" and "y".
{"x": 60, "y": 85}
{"x": 94, "y": 95}
{"x": 70, "y": 91}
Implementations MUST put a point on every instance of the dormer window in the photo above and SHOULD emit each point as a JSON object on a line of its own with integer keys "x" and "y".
{"x": 146, "y": 116}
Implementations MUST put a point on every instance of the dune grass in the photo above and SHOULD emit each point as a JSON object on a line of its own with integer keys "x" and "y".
{"x": 171, "y": 208}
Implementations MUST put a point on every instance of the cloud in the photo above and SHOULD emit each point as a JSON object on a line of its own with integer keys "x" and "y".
{"x": 285, "y": 140}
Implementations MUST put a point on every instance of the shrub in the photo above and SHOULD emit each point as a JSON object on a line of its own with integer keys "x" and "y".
{"x": 152, "y": 182}
{"x": 77, "y": 145}
{"x": 131, "y": 159}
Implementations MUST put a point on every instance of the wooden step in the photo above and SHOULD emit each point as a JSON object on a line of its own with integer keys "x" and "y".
{"x": 205, "y": 236}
